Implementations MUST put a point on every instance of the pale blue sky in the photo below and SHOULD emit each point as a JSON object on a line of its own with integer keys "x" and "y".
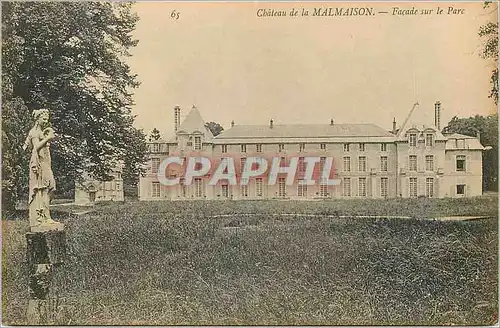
{"x": 236, "y": 66}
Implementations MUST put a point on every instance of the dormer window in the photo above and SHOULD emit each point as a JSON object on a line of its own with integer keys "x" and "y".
{"x": 197, "y": 143}
{"x": 412, "y": 139}
{"x": 429, "y": 140}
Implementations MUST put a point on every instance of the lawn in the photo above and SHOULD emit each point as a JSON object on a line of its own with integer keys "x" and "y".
{"x": 174, "y": 263}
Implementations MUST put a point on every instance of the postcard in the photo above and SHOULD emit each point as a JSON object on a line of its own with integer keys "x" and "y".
{"x": 249, "y": 163}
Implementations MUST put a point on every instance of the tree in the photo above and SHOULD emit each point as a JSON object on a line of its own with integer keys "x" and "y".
{"x": 488, "y": 130}
{"x": 154, "y": 135}
{"x": 489, "y": 32}
{"x": 215, "y": 128}
{"x": 69, "y": 57}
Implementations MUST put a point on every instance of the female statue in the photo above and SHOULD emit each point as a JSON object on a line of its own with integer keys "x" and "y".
{"x": 41, "y": 179}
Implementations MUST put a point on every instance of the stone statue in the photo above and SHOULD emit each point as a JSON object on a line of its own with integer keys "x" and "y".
{"x": 41, "y": 178}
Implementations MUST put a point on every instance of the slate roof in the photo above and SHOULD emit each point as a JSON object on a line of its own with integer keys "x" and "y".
{"x": 469, "y": 143}
{"x": 279, "y": 131}
{"x": 194, "y": 122}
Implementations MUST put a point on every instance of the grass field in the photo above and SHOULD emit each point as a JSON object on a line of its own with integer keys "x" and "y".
{"x": 160, "y": 263}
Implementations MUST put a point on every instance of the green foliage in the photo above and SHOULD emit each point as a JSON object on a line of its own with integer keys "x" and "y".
{"x": 214, "y": 127}
{"x": 14, "y": 159}
{"x": 154, "y": 135}
{"x": 489, "y": 32}
{"x": 173, "y": 263}
{"x": 487, "y": 126}
{"x": 68, "y": 57}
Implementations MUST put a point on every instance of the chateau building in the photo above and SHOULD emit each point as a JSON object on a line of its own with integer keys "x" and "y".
{"x": 369, "y": 162}
{"x": 91, "y": 190}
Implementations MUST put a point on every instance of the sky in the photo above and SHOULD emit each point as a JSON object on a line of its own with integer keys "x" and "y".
{"x": 233, "y": 65}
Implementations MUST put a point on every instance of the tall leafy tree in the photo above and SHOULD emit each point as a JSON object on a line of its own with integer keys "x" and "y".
{"x": 214, "y": 127}
{"x": 487, "y": 127}
{"x": 489, "y": 34}
{"x": 69, "y": 57}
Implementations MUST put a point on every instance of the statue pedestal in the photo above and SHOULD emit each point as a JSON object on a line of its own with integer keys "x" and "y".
{"x": 46, "y": 249}
{"x": 45, "y": 227}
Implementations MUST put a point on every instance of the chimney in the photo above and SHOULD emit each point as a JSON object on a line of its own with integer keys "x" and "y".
{"x": 437, "y": 115}
{"x": 394, "y": 125}
{"x": 331, "y": 121}
{"x": 271, "y": 124}
{"x": 177, "y": 117}
{"x": 232, "y": 123}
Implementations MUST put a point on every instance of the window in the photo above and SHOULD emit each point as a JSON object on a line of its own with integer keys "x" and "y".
{"x": 244, "y": 191}
{"x": 224, "y": 190}
{"x": 155, "y": 164}
{"x": 362, "y": 187}
{"x": 346, "y": 187}
{"x": 242, "y": 164}
{"x": 243, "y": 148}
{"x": 413, "y": 187}
{"x": 460, "y": 163}
{"x": 155, "y": 189}
{"x": 429, "y": 140}
{"x": 301, "y": 189}
{"x": 198, "y": 187}
{"x": 461, "y": 189}
{"x": 118, "y": 185}
{"x": 429, "y": 187}
{"x": 383, "y": 163}
{"x": 302, "y": 147}
{"x": 383, "y": 147}
{"x": 282, "y": 161}
{"x": 301, "y": 164}
{"x": 322, "y": 161}
{"x": 383, "y": 187}
{"x": 322, "y": 146}
{"x": 281, "y": 147}
{"x": 281, "y": 187}
{"x": 347, "y": 164}
{"x": 258, "y": 148}
{"x": 429, "y": 163}
{"x": 362, "y": 164}
{"x": 346, "y": 147}
{"x": 412, "y": 163}
{"x": 224, "y": 148}
{"x": 361, "y": 147}
{"x": 413, "y": 139}
{"x": 323, "y": 189}
{"x": 258, "y": 187}
{"x": 183, "y": 187}
{"x": 156, "y": 148}
{"x": 197, "y": 143}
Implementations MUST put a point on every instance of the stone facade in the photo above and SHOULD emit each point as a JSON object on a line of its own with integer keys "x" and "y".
{"x": 91, "y": 190}
{"x": 412, "y": 161}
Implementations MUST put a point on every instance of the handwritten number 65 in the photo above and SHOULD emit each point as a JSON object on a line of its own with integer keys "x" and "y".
{"x": 174, "y": 14}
